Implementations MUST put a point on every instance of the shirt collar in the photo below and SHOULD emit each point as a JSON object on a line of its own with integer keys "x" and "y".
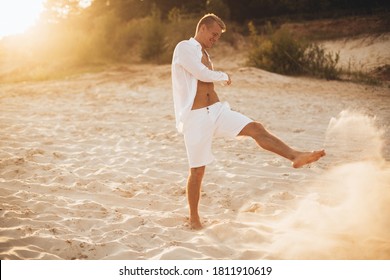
{"x": 197, "y": 45}
{"x": 194, "y": 42}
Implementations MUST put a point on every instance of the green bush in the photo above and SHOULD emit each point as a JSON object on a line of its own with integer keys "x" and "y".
{"x": 320, "y": 63}
{"x": 287, "y": 54}
{"x": 282, "y": 53}
{"x": 153, "y": 43}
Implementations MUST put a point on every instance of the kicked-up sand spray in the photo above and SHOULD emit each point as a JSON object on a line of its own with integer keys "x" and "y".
{"x": 346, "y": 212}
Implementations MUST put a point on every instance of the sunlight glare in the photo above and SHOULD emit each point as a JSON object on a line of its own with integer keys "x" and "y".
{"x": 16, "y": 16}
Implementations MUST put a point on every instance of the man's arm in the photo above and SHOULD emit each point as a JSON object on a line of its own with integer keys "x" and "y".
{"x": 187, "y": 58}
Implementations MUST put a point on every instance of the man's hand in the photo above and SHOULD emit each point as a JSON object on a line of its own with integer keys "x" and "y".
{"x": 229, "y": 82}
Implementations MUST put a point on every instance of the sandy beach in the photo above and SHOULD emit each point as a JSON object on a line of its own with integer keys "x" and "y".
{"x": 91, "y": 167}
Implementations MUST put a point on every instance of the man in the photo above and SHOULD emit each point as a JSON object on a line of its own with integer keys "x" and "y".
{"x": 200, "y": 115}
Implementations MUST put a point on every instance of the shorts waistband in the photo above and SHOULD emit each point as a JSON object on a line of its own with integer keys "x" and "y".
{"x": 207, "y": 108}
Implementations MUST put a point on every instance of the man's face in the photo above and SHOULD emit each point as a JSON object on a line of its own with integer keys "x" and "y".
{"x": 210, "y": 35}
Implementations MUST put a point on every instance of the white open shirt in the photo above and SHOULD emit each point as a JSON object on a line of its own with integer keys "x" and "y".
{"x": 187, "y": 69}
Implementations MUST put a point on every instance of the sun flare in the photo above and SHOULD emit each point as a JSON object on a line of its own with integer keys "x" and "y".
{"x": 16, "y": 16}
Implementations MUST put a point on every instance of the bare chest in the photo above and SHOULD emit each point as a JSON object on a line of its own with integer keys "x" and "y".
{"x": 206, "y": 60}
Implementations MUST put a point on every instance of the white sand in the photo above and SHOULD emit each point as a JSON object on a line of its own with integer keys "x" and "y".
{"x": 91, "y": 167}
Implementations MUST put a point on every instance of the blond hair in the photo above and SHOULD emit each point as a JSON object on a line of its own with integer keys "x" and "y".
{"x": 209, "y": 19}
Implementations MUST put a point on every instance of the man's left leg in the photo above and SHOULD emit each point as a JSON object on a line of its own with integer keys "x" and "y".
{"x": 273, "y": 144}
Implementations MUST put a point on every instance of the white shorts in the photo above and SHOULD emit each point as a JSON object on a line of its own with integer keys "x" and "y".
{"x": 203, "y": 124}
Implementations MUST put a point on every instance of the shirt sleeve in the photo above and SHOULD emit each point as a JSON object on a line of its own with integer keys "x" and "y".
{"x": 188, "y": 58}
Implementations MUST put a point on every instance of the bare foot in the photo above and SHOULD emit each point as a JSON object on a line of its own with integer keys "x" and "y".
{"x": 304, "y": 158}
{"x": 195, "y": 224}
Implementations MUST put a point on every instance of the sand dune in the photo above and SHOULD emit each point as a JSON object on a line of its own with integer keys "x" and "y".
{"x": 363, "y": 53}
{"x": 91, "y": 167}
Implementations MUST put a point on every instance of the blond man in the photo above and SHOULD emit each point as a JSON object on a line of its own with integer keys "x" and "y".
{"x": 201, "y": 116}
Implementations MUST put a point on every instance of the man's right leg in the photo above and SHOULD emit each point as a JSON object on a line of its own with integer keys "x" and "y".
{"x": 193, "y": 194}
